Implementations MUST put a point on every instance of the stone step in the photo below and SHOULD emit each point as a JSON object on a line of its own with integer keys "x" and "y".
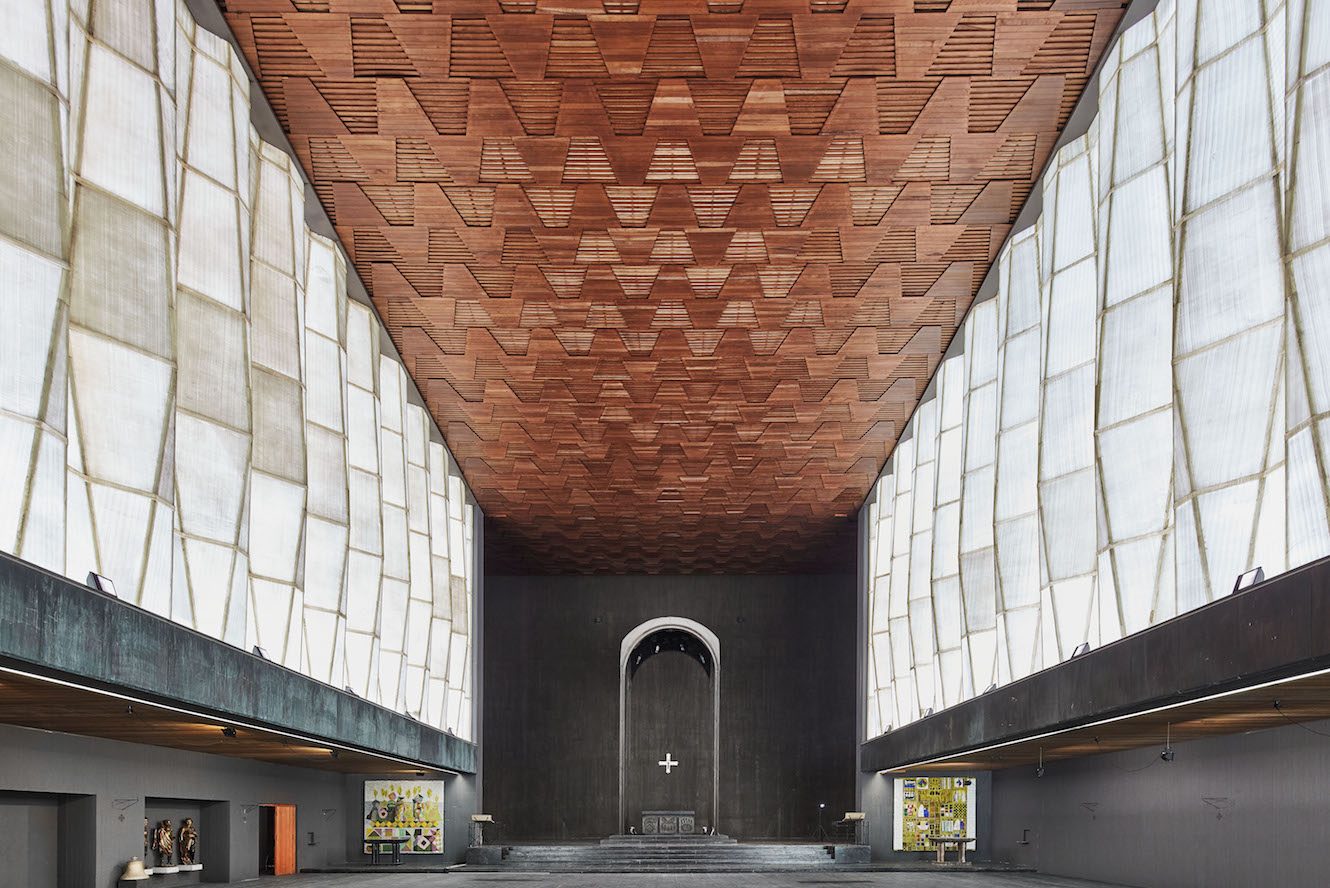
{"x": 814, "y": 855}
{"x": 669, "y": 854}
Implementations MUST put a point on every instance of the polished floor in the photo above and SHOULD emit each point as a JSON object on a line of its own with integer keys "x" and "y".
{"x": 746, "y": 880}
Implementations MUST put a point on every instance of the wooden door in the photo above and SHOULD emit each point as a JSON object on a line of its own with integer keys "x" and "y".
{"x": 284, "y": 840}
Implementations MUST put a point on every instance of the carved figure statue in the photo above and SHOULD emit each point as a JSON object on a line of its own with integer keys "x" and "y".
{"x": 189, "y": 841}
{"x": 147, "y": 839}
{"x": 163, "y": 843}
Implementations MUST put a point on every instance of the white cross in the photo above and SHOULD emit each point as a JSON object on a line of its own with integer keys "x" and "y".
{"x": 668, "y": 763}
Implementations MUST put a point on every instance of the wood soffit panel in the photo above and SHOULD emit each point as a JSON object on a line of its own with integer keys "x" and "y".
{"x": 1277, "y": 705}
{"x": 33, "y": 702}
{"x": 672, "y": 275}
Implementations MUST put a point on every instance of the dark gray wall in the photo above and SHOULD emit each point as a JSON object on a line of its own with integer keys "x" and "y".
{"x": 1131, "y": 819}
{"x": 101, "y": 786}
{"x": 119, "y": 776}
{"x": 28, "y": 847}
{"x": 551, "y": 703}
{"x": 878, "y": 801}
{"x": 459, "y": 803}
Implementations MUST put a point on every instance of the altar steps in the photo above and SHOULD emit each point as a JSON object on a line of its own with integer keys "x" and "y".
{"x": 639, "y": 854}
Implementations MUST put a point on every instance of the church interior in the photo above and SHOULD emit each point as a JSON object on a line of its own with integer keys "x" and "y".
{"x": 664, "y": 443}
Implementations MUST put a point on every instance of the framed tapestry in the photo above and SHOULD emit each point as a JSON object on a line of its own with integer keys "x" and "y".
{"x": 405, "y": 809}
{"x": 932, "y": 806}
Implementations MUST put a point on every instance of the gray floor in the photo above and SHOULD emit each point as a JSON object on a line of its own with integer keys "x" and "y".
{"x": 773, "y": 880}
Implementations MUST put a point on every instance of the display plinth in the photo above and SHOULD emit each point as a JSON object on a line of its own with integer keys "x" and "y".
{"x": 190, "y": 867}
{"x": 165, "y": 870}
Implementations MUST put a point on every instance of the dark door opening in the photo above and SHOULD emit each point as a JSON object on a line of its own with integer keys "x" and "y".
{"x": 277, "y": 840}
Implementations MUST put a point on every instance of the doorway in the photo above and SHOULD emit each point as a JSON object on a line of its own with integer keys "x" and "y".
{"x": 669, "y": 722}
{"x": 277, "y": 840}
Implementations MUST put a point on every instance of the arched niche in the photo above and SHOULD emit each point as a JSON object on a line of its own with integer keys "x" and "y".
{"x": 708, "y": 649}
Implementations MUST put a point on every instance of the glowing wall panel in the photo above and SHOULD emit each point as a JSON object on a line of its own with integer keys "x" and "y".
{"x": 190, "y": 403}
{"x": 1142, "y": 409}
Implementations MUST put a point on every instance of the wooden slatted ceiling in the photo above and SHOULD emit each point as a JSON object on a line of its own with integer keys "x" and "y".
{"x": 36, "y": 703}
{"x": 672, "y": 274}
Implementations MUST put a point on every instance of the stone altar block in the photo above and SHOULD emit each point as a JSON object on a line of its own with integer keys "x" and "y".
{"x": 668, "y": 823}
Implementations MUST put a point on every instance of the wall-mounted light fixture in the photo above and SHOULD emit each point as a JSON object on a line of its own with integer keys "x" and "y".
{"x": 1167, "y": 754}
{"x": 101, "y": 584}
{"x": 1249, "y": 578}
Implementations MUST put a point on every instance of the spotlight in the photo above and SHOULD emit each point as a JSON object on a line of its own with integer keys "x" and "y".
{"x": 1081, "y": 650}
{"x": 1249, "y": 579}
{"x": 228, "y": 731}
{"x": 334, "y": 753}
{"x": 1166, "y": 755}
{"x": 1039, "y": 771}
{"x": 101, "y": 584}
{"x": 990, "y": 688}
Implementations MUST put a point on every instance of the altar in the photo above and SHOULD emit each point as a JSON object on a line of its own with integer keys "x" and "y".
{"x": 668, "y": 823}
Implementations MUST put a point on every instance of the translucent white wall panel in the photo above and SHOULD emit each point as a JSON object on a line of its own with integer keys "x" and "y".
{"x": 1307, "y": 198}
{"x": 1070, "y": 239}
{"x": 189, "y": 402}
{"x": 1230, "y": 305}
{"x": 1158, "y": 352}
{"x": 441, "y": 597}
{"x": 394, "y": 590}
{"x": 122, "y": 281}
{"x": 420, "y": 605}
{"x": 212, "y": 440}
{"x": 327, "y": 506}
{"x": 1015, "y": 520}
{"x": 276, "y": 379}
{"x": 33, "y": 270}
{"x": 365, "y": 559}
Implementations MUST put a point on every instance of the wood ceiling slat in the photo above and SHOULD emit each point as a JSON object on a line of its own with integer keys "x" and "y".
{"x": 34, "y": 703}
{"x": 716, "y": 187}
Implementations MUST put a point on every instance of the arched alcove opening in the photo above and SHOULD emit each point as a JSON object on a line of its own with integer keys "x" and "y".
{"x": 669, "y": 720}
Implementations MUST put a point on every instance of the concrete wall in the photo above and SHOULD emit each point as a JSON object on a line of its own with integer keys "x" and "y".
{"x": 29, "y": 826}
{"x": 459, "y": 800}
{"x": 119, "y": 776}
{"x": 551, "y": 703}
{"x": 877, "y": 800}
{"x": 1128, "y": 818}
{"x": 101, "y": 786}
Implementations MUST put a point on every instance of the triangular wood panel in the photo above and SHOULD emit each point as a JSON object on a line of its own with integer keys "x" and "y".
{"x": 624, "y": 246}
